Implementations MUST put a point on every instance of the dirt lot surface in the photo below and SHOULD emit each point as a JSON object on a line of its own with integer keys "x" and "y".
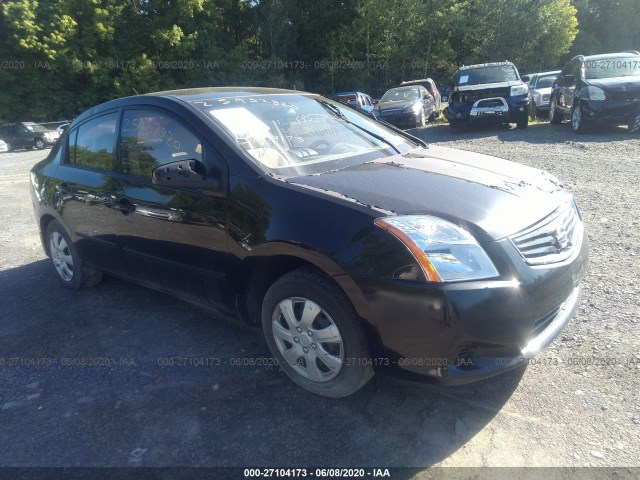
{"x": 83, "y": 380}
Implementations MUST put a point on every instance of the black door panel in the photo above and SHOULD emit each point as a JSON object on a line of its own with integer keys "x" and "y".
{"x": 172, "y": 238}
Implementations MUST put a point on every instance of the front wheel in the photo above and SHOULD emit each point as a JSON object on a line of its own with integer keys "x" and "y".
{"x": 69, "y": 267}
{"x": 422, "y": 120}
{"x": 555, "y": 116}
{"x": 39, "y": 144}
{"x": 578, "y": 124}
{"x": 313, "y": 331}
{"x": 523, "y": 122}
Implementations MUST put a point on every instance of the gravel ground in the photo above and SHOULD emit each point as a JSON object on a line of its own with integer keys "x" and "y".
{"x": 576, "y": 405}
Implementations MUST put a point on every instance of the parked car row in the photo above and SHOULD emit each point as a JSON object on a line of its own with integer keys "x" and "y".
{"x": 27, "y": 135}
{"x": 590, "y": 90}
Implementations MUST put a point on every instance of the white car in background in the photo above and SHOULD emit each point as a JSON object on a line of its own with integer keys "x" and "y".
{"x": 3, "y": 146}
{"x": 540, "y": 91}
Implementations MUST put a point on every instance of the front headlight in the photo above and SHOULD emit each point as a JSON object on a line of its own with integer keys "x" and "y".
{"x": 596, "y": 93}
{"x": 519, "y": 90}
{"x": 415, "y": 108}
{"x": 445, "y": 251}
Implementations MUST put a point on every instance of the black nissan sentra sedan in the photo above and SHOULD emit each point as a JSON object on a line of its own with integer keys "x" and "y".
{"x": 356, "y": 247}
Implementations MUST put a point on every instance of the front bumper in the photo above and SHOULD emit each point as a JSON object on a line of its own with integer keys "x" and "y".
{"x": 611, "y": 112}
{"x": 399, "y": 119}
{"x": 464, "y": 332}
{"x": 494, "y": 109}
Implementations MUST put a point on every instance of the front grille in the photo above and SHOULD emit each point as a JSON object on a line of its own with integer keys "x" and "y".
{"x": 545, "y": 98}
{"x": 475, "y": 95}
{"x": 553, "y": 238}
{"x": 490, "y": 102}
{"x": 390, "y": 111}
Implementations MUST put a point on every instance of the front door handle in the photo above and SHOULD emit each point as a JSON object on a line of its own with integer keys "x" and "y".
{"x": 125, "y": 206}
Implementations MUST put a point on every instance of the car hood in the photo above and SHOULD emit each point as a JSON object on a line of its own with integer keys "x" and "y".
{"x": 492, "y": 197}
{"x": 395, "y": 105}
{"x": 617, "y": 84}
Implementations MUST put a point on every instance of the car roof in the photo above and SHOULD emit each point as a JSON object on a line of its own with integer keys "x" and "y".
{"x": 204, "y": 93}
{"x": 185, "y": 96}
{"x": 409, "y": 82}
{"x": 485, "y": 65}
{"x": 603, "y": 56}
{"x": 349, "y": 93}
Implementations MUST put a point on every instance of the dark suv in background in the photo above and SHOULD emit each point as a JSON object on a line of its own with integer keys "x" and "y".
{"x": 27, "y": 135}
{"x": 489, "y": 92}
{"x": 593, "y": 89}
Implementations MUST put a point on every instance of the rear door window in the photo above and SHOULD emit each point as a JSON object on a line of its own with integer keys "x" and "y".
{"x": 92, "y": 144}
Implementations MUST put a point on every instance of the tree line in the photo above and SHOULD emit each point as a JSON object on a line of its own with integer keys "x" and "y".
{"x": 58, "y": 57}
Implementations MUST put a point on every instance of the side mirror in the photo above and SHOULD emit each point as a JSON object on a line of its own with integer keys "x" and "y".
{"x": 184, "y": 173}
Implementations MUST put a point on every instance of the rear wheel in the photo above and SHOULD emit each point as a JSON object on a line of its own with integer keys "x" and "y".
{"x": 555, "y": 116}
{"x": 312, "y": 330}
{"x": 39, "y": 143}
{"x": 69, "y": 267}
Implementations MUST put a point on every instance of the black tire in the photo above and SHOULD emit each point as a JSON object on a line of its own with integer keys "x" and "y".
{"x": 39, "y": 144}
{"x": 523, "y": 122}
{"x": 81, "y": 275}
{"x": 454, "y": 127}
{"x": 309, "y": 285}
{"x": 555, "y": 116}
{"x": 578, "y": 123}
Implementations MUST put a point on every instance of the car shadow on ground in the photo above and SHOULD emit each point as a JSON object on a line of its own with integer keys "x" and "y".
{"x": 545, "y": 133}
{"x": 120, "y": 375}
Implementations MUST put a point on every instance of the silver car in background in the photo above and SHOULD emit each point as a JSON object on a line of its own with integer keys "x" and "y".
{"x": 540, "y": 91}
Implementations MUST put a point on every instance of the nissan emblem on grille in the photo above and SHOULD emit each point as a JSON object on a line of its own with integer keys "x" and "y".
{"x": 551, "y": 239}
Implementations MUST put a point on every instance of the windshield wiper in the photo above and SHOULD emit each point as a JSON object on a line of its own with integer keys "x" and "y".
{"x": 338, "y": 113}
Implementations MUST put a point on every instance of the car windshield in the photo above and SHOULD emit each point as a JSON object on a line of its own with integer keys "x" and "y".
{"x": 612, "y": 67}
{"x": 293, "y": 135}
{"x": 546, "y": 81}
{"x": 401, "y": 94}
{"x": 36, "y": 128}
{"x": 493, "y": 74}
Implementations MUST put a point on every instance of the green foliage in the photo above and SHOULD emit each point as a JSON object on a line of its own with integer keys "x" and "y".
{"x": 72, "y": 54}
